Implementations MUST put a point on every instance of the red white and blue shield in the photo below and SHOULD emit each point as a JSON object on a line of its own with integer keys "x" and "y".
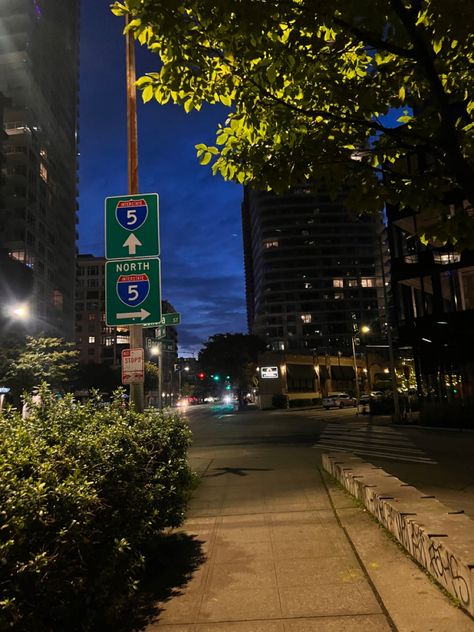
{"x": 132, "y": 289}
{"x": 131, "y": 214}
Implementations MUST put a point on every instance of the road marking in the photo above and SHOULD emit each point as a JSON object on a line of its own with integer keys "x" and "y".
{"x": 367, "y": 440}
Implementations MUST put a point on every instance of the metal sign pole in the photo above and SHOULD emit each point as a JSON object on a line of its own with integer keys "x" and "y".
{"x": 137, "y": 394}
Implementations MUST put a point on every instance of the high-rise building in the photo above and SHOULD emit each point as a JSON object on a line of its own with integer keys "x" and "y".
{"x": 433, "y": 297}
{"x": 39, "y": 64}
{"x": 310, "y": 271}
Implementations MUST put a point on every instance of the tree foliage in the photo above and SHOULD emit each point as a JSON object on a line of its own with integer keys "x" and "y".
{"x": 235, "y": 355}
{"x": 311, "y": 89}
{"x": 51, "y": 360}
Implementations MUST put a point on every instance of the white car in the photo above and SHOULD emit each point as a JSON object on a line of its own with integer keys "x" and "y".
{"x": 338, "y": 400}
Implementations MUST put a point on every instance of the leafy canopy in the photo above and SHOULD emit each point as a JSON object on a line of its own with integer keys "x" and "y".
{"x": 234, "y": 355}
{"x": 51, "y": 360}
{"x": 312, "y": 87}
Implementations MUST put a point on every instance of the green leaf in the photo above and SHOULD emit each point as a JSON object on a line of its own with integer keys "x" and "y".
{"x": 271, "y": 73}
{"x": 205, "y": 158}
{"x": 225, "y": 99}
{"x": 147, "y": 93}
{"x": 118, "y": 9}
{"x": 142, "y": 81}
{"x": 438, "y": 45}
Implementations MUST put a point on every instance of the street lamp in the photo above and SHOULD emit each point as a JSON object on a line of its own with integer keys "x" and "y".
{"x": 364, "y": 329}
{"x": 180, "y": 370}
{"x": 156, "y": 351}
{"x": 18, "y": 311}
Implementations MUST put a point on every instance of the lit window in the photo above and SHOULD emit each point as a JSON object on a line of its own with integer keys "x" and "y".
{"x": 367, "y": 282}
{"x": 338, "y": 295}
{"x": 446, "y": 258}
{"x": 272, "y": 244}
{"x": 91, "y": 340}
{"x": 109, "y": 341}
{"x": 306, "y": 318}
{"x": 338, "y": 282}
{"x": 308, "y": 286}
{"x": 123, "y": 340}
{"x": 58, "y": 299}
{"x": 43, "y": 172}
{"x": 19, "y": 255}
{"x": 352, "y": 283}
{"x": 91, "y": 316}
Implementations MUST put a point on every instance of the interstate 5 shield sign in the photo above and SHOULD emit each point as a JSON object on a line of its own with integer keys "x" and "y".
{"x": 132, "y": 226}
{"x": 131, "y": 214}
{"x": 133, "y": 289}
{"x": 132, "y": 292}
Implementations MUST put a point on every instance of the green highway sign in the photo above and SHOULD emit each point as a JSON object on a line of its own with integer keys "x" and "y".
{"x": 160, "y": 331}
{"x": 167, "y": 345}
{"x": 132, "y": 292}
{"x": 132, "y": 226}
{"x": 171, "y": 319}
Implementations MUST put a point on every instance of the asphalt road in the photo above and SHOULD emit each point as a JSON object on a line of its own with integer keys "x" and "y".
{"x": 438, "y": 462}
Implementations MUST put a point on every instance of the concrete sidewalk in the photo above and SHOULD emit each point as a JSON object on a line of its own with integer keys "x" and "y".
{"x": 287, "y": 551}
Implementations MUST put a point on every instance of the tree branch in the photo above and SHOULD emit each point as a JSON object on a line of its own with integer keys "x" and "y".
{"x": 374, "y": 40}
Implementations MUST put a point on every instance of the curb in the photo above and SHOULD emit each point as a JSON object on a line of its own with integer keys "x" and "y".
{"x": 437, "y": 537}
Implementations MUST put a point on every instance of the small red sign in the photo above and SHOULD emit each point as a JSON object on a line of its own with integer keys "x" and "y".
{"x": 133, "y": 366}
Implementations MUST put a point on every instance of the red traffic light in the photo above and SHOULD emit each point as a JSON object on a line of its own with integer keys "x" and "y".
{"x": 201, "y": 376}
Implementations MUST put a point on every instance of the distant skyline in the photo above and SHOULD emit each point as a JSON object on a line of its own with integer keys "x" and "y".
{"x": 201, "y": 233}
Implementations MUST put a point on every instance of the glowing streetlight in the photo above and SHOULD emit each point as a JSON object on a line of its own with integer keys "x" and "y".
{"x": 19, "y": 311}
{"x": 156, "y": 351}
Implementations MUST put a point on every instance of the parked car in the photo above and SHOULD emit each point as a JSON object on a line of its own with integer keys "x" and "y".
{"x": 376, "y": 394}
{"x": 338, "y": 400}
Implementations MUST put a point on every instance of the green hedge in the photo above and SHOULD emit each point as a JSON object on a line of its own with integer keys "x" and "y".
{"x": 83, "y": 491}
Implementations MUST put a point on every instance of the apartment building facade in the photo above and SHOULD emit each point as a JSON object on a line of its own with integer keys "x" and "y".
{"x": 310, "y": 268}
{"x": 39, "y": 67}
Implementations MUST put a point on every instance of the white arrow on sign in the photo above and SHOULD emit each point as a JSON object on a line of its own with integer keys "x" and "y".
{"x": 131, "y": 243}
{"x": 141, "y": 314}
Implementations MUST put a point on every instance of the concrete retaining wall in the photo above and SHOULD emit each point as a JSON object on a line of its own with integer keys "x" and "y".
{"x": 439, "y": 538}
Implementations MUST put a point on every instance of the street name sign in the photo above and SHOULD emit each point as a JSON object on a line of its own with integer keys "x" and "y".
{"x": 151, "y": 342}
{"x": 171, "y": 319}
{"x": 132, "y": 226}
{"x": 132, "y": 292}
{"x": 167, "y": 345}
{"x": 133, "y": 366}
{"x": 160, "y": 331}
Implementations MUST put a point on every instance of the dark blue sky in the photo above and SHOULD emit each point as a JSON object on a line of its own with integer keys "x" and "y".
{"x": 201, "y": 234}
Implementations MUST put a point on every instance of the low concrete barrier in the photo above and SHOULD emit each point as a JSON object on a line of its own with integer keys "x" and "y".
{"x": 439, "y": 538}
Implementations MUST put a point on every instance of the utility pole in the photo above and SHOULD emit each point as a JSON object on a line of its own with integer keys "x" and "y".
{"x": 354, "y": 357}
{"x": 137, "y": 393}
{"x": 391, "y": 357}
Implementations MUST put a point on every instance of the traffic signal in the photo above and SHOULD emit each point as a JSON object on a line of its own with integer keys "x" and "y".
{"x": 216, "y": 378}
{"x": 201, "y": 376}
{"x": 227, "y": 388}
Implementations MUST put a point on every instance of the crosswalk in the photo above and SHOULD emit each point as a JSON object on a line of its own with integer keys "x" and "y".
{"x": 366, "y": 439}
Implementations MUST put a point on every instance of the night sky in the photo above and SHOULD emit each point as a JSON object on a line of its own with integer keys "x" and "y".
{"x": 200, "y": 225}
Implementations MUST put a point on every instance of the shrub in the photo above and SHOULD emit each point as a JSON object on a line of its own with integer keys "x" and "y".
{"x": 83, "y": 491}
